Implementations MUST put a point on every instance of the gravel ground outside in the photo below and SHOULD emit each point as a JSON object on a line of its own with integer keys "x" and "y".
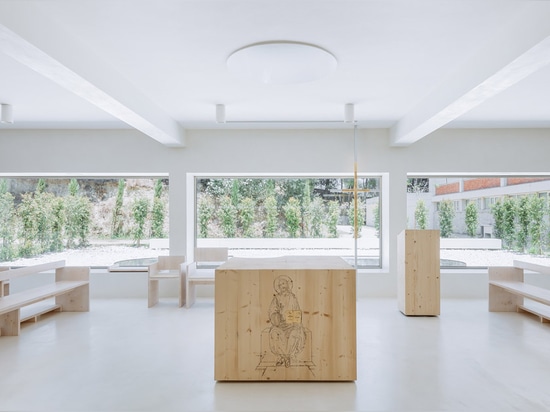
{"x": 108, "y": 254}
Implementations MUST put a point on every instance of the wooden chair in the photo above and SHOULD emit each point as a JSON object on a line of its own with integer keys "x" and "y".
{"x": 167, "y": 267}
{"x": 201, "y": 270}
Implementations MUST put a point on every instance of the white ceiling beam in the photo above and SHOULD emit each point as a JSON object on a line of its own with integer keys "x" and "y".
{"x": 517, "y": 52}
{"x": 57, "y": 56}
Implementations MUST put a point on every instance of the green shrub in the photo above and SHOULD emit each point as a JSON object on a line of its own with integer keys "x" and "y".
{"x": 157, "y": 212}
{"x": 293, "y": 217}
{"x": 140, "y": 209}
{"x": 377, "y": 219}
{"x": 446, "y": 215}
{"x": 118, "y": 217}
{"x": 28, "y": 217}
{"x": 497, "y": 210}
{"x": 360, "y": 215}
{"x": 537, "y": 226}
{"x": 421, "y": 215}
{"x": 317, "y": 214}
{"x": 235, "y": 193}
{"x": 206, "y": 212}
{"x": 247, "y": 215}
{"x": 7, "y": 224}
{"x": 271, "y": 217}
{"x": 471, "y": 219}
{"x": 523, "y": 222}
{"x": 78, "y": 211}
{"x": 58, "y": 225}
{"x": 228, "y": 216}
{"x": 332, "y": 218}
{"x": 509, "y": 223}
{"x": 44, "y": 219}
{"x": 307, "y": 217}
{"x": 41, "y": 186}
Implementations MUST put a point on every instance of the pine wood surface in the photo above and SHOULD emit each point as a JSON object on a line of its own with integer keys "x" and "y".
{"x": 535, "y": 267}
{"x": 30, "y": 296}
{"x": 166, "y": 267}
{"x": 418, "y": 268}
{"x": 29, "y": 270}
{"x": 248, "y": 337}
{"x": 71, "y": 291}
{"x": 507, "y": 290}
{"x": 537, "y": 309}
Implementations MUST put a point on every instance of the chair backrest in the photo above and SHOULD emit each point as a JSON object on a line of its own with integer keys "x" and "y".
{"x": 170, "y": 262}
{"x": 4, "y": 284}
{"x": 211, "y": 254}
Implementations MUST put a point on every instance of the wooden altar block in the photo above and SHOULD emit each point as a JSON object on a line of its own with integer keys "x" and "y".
{"x": 285, "y": 319}
{"x": 418, "y": 272}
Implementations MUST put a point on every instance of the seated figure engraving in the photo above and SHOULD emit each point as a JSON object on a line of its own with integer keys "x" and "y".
{"x": 286, "y": 335}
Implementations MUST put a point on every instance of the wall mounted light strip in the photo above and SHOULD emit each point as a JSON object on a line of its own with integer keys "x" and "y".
{"x": 349, "y": 117}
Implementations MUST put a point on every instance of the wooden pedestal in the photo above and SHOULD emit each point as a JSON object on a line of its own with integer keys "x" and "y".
{"x": 290, "y": 318}
{"x": 418, "y": 272}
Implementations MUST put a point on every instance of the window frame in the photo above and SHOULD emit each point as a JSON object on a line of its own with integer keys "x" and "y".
{"x": 490, "y": 198}
{"x": 97, "y": 176}
{"x": 383, "y": 243}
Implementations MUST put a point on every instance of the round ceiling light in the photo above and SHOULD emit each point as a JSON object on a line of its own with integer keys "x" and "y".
{"x": 282, "y": 62}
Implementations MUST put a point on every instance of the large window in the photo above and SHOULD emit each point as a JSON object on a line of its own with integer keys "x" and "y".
{"x": 92, "y": 221}
{"x": 484, "y": 220}
{"x": 283, "y": 215}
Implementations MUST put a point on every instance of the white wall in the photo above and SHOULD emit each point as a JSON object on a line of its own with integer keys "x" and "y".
{"x": 446, "y": 151}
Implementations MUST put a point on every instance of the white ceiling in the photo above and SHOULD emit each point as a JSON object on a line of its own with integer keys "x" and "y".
{"x": 160, "y": 65}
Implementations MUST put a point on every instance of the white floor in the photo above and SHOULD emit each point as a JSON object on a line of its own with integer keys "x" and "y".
{"x": 122, "y": 356}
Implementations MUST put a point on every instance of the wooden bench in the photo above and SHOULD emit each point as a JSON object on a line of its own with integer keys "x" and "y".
{"x": 202, "y": 270}
{"x": 508, "y": 291}
{"x": 70, "y": 290}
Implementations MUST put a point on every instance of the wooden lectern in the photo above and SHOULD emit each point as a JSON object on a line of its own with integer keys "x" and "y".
{"x": 418, "y": 284}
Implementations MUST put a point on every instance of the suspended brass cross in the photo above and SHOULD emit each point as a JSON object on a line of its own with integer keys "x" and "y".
{"x": 355, "y": 192}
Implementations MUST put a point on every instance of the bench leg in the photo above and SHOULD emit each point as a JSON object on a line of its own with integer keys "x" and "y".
{"x": 501, "y": 300}
{"x": 153, "y": 293}
{"x": 191, "y": 295}
{"x": 9, "y": 323}
{"x": 182, "y": 290}
{"x": 4, "y": 288}
{"x": 76, "y": 300}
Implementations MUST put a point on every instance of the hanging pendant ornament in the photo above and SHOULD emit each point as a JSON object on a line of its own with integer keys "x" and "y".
{"x": 355, "y": 192}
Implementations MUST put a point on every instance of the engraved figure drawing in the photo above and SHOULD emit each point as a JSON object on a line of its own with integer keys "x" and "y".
{"x": 286, "y": 343}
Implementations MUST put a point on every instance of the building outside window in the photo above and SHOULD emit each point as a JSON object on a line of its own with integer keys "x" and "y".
{"x": 512, "y": 221}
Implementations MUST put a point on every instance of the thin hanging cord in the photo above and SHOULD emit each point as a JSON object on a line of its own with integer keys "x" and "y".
{"x": 355, "y": 187}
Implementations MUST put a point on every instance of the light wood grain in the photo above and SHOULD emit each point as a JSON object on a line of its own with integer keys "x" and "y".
{"x": 4, "y": 284}
{"x": 29, "y": 270}
{"x": 534, "y": 267}
{"x": 201, "y": 270}
{"x": 508, "y": 290}
{"x": 166, "y": 267}
{"x": 324, "y": 324}
{"x": 418, "y": 268}
{"x": 34, "y": 311}
{"x": 500, "y": 299}
{"x": 70, "y": 290}
{"x": 537, "y": 309}
{"x": 211, "y": 254}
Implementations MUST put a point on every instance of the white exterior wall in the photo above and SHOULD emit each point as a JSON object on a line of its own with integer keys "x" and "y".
{"x": 446, "y": 151}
